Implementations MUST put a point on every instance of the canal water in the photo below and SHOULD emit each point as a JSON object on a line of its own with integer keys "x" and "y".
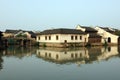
{"x": 95, "y": 63}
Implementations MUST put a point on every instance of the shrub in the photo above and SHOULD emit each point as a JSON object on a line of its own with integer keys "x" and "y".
{"x": 36, "y": 44}
{"x": 44, "y": 44}
{"x": 88, "y": 45}
{"x": 105, "y": 44}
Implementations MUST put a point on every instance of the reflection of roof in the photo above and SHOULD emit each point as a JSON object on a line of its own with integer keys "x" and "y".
{"x": 62, "y": 31}
{"x": 89, "y": 29}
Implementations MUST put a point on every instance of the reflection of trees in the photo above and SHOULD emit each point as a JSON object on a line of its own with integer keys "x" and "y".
{"x": 19, "y": 52}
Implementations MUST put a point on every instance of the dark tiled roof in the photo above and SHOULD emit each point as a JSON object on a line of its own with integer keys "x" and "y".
{"x": 62, "y": 31}
{"x": 89, "y": 29}
{"x": 33, "y": 35}
{"x": 108, "y": 29}
{"x": 94, "y": 35}
{"x": 12, "y": 31}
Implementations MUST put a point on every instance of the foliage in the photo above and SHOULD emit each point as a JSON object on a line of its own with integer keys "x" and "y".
{"x": 1, "y": 34}
{"x": 11, "y": 41}
{"x": 105, "y": 44}
{"x": 22, "y": 35}
{"x": 44, "y": 45}
{"x": 36, "y": 44}
{"x": 88, "y": 45}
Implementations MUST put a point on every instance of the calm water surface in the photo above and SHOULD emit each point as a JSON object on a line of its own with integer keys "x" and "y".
{"x": 95, "y": 63}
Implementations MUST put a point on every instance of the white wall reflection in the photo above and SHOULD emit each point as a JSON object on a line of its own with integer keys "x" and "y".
{"x": 79, "y": 55}
{"x": 108, "y": 52}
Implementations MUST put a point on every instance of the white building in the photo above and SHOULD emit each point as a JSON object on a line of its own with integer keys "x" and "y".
{"x": 62, "y": 38}
{"x": 94, "y": 38}
{"x": 107, "y": 35}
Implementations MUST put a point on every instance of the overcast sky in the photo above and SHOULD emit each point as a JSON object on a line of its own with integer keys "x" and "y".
{"x": 46, "y": 14}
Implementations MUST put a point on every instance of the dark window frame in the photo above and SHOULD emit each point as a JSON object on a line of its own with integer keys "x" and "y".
{"x": 80, "y": 37}
{"x": 72, "y": 37}
{"x": 45, "y": 37}
{"x": 76, "y": 37}
{"x": 49, "y": 37}
{"x": 57, "y": 37}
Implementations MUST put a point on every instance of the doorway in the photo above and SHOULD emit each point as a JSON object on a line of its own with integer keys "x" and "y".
{"x": 109, "y": 40}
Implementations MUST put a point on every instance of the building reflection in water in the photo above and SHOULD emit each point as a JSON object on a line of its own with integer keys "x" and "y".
{"x": 79, "y": 55}
{"x": 63, "y": 55}
{"x": 18, "y": 52}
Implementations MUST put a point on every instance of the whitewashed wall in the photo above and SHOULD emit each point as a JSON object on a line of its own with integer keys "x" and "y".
{"x": 108, "y": 53}
{"x": 106, "y": 35}
{"x": 62, "y": 38}
{"x": 80, "y": 28}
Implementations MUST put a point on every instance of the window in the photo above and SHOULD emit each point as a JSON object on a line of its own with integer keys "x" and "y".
{"x": 76, "y": 55}
{"x": 109, "y": 40}
{"x": 80, "y": 37}
{"x": 65, "y": 41}
{"x": 85, "y": 39}
{"x": 109, "y": 49}
{"x": 75, "y": 37}
{"x": 49, "y": 54}
{"x": 72, "y": 37}
{"x": 57, "y": 37}
{"x": 72, "y": 55}
{"x": 45, "y": 54}
{"x": 39, "y": 38}
{"x": 49, "y": 37}
{"x": 80, "y": 54}
{"x": 39, "y": 53}
{"x": 45, "y": 37}
{"x": 57, "y": 56}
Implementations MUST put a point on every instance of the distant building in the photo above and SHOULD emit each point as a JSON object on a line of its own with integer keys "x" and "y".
{"x": 10, "y": 33}
{"x": 62, "y": 38}
{"x": 108, "y": 35}
{"x": 19, "y": 33}
{"x": 93, "y": 38}
{"x": 26, "y": 34}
